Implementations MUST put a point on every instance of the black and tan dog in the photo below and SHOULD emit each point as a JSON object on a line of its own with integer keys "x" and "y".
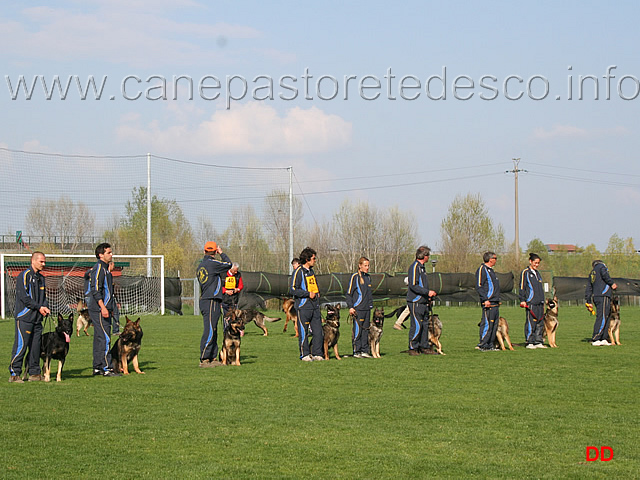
{"x": 55, "y": 345}
{"x": 331, "y": 330}
{"x": 230, "y": 352}
{"x": 288, "y": 307}
{"x": 127, "y": 347}
{"x": 375, "y": 331}
{"x": 435, "y": 332}
{"x": 502, "y": 334}
{"x": 614, "y": 322}
{"x": 84, "y": 320}
{"x": 258, "y": 318}
{"x": 551, "y": 320}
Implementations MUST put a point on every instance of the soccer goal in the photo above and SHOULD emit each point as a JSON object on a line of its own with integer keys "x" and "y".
{"x": 138, "y": 281}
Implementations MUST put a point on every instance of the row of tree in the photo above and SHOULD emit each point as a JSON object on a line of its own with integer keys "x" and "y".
{"x": 259, "y": 240}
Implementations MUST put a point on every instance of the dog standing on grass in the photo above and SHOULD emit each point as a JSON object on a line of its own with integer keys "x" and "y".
{"x": 126, "y": 348}
{"x": 288, "y": 307}
{"x": 258, "y": 318}
{"x": 55, "y": 345}
{"x": 375, "y": 331}
{"x": 435, "y": 332}
{"x": 331, "y": 330}
{"x": 614, "y": 322}
{"x": 84, "y": 320}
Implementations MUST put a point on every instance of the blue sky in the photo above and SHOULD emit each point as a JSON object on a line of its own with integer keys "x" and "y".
{"x": 583, "y": 183}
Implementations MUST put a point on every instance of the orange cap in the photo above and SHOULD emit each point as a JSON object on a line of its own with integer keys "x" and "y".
{"x": 210, "y": 247}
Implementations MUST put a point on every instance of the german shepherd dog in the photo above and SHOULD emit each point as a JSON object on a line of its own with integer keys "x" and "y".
{"x": 331, "y": 330}
{"x": 614, "y": 322}
{"x": 435, "y": 331}
{"x": 502, "y": 334}
{"x": 84, "y": 320}
{"x": 127, "y": 347}
{"x": 55, "y": 345}
{"x": 375, "y": 331}
{"x": 258, "y": 318}
{"x": 230, "y": 352}
{"x": 551, "y": 320}
{"x": 288, "y": 307}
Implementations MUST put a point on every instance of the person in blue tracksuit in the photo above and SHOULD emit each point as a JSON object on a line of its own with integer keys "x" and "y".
{"x": 100, "y": 307}
{"x": 30, "y": 308}
{"x": 599, "y": 290}
{"x": 418, "y": 298}
{"x": 210, "y": 275}
{"x": 532, "y": 298}
{"x": 360, "y": 302}
{"x": 304, "y": 290}
{"x": 488, "y": 289}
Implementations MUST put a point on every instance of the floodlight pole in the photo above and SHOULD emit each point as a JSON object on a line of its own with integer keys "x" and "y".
{"x": 290, "y": 219}
{"x": 148, "y": 214}
{"x": 516, "y": 162}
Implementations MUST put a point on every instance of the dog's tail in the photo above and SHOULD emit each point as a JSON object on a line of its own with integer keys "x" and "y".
{"x": 272, "y": 319}
{"x": 396, "y": 312}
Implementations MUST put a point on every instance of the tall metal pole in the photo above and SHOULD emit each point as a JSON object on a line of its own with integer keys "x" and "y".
{"x": 149, "y": 214}
{"x": 515, "y": 171}
{"x": 290, "y": 219}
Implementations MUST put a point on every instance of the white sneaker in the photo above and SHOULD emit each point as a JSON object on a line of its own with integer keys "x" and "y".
{"x": 531, "y": 346}
{"x": 605, "y": 342}
{"x": 597, "y": 343}
{"x": 357, "y": 355}
{"x": 540, "y": 345}
{"x": 365, "y": 355}
{"x": 317, "y": 358}
{"x": 307, "y": 358}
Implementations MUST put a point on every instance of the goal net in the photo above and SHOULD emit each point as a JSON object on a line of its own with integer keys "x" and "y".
{"x": 138, "y": 282}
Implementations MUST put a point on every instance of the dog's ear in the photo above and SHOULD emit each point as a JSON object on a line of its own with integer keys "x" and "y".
{"x": 137, "y": 322}
{"x": 60, "y": 317}
{"x": 128, "y": 319}
{"x": 337, "y": 306}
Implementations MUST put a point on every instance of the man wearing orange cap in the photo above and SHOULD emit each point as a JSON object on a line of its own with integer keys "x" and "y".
{"x": 210, "y": 275}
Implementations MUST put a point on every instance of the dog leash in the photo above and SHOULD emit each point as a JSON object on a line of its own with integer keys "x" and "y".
{"x": 528, "y": 308}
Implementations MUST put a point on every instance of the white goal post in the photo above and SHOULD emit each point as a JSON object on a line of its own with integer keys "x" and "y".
{"x": 138, "y": 289}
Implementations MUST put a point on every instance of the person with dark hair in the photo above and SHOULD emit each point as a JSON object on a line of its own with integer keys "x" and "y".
{"x": 304, "y": 289}
{"x": 210, "y": 276}
{"x": 100, "y": 307}
{"x": 231, "y": 291}
{"x": 532, "y": 298}
{"x": 295, "y": 263}
{"x": 418, "y": 298}
{"x": 599, "y": 290}
{"x": 488, "y": 289}
{"x": 30, "y": 308}
{"x": 360, "y": 302}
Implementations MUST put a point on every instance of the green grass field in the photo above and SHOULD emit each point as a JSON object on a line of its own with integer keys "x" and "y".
{"x": 520, "y": 414}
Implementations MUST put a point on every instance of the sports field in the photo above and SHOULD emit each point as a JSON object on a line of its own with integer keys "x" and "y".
{"x": 520, "y": 414}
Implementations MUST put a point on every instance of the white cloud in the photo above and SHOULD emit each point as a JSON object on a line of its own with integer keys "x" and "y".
{"x": 249, "y": 129}
{"x": 570, "y": 131}
{"x": 141, "y": 35}
{"x": 560, "y": 131}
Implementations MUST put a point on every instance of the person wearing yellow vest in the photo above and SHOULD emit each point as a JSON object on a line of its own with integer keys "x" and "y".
{"x": 231, "y": 291}
{"x": 304, "y": 289}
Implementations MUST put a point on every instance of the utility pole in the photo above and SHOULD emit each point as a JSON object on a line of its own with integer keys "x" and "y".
{"x": 515, "y": 171}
